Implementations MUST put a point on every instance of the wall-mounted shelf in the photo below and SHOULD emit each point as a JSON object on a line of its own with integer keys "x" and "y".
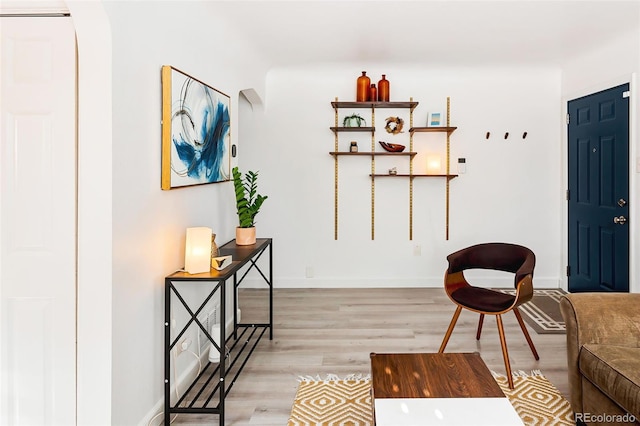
{"x": 447, "y": 130}
{"x": 411, "y": 105}
{"x": 353, "y": 129}
{"x": 414, "y": 175}
{"x": 369, "y": 153}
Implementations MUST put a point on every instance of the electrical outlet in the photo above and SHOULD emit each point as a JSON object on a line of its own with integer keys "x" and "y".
{"x": 308, "y": 272}
{"x": 182, "y": 345}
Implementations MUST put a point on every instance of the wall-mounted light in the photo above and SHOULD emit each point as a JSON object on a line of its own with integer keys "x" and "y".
{"x": 434, "y": 164}
{"x": 197, "y": 252}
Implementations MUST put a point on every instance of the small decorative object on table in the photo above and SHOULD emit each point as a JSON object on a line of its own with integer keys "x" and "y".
{"x": 393, "y": 171}
{"x": 221, "y": 262}
{"x": 353, "y": 147}
{"x": 354, "y": 120}
{"x": 248, "y": 203}
{"x": 392, "y": 147}
{"x": 214, "y": 247}
{"x": 394, "y": 125}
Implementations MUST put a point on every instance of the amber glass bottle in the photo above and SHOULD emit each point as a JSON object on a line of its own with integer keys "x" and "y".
{"x": 362, "y": 88}
{"x": 383, "y": 89}
{"x": 373, "y": 93}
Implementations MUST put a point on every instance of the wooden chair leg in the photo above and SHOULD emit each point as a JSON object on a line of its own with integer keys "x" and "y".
{"x": 526, "y": 333}
{"x": 456, "y": 314}
{"x": 479, "y": 326}
{"x": 505, "y": 353}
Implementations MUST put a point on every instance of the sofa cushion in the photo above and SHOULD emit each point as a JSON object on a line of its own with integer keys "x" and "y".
{"x": 615, "y": 370}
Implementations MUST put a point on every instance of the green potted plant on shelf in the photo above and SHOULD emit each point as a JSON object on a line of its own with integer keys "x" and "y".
{"x": 353, "y": 120}
{"x": 248, "y": 203}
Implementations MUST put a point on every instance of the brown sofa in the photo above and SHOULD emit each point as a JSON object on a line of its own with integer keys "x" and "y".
{"x": 603, "y": 354}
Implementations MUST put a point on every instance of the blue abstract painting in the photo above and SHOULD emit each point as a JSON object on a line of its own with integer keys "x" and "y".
{"x": 196, "y": 131}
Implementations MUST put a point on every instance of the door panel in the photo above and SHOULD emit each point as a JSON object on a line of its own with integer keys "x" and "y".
{"x": 598, "y": 135}
{"x": 37, "y": 221}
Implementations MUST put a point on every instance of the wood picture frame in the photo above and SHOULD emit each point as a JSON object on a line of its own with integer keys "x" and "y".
{"x": 196, "y": 131}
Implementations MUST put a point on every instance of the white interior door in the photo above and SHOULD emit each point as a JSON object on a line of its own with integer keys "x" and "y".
{"x": 37, "y": 221}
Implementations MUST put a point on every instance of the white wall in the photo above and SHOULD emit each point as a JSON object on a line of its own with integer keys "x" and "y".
{"x": 149, "y": 224}
{"x": 610, "y": 64}
{"x": 510, "y": 192}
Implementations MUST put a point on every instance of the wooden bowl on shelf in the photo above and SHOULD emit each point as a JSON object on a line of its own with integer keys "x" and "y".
{"x": 392, "y": 147}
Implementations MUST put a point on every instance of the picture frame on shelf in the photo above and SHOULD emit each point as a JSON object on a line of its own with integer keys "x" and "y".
{"x": 435, "y": 119}
{"x": 196, "y": 131}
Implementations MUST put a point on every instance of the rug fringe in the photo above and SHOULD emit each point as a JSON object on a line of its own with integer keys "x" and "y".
{"x": 518, "y": 373}
{"x": 334, "y": 377}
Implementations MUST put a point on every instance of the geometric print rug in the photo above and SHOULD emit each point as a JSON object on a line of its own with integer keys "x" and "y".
{"x": 542, "y": 312}
{"x": 332, "y": 401}
{"x": 535, "y": 399}
{"x": 347, "y": 402}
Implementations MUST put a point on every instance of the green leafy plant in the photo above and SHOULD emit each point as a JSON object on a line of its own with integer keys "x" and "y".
{"x": 354, "y": 117}
{"x": 248, "y": 201}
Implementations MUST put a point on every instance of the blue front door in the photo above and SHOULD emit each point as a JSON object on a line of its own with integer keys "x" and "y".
{"x": 598, "y": 195}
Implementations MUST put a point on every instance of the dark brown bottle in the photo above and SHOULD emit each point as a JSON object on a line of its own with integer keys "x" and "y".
{"x": 383, "y": 89}
{"x": 373, "y": 93}
{"x": 362, "y": 88}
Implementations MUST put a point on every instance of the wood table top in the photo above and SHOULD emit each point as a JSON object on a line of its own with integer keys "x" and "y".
{"x": 432, "y": 375}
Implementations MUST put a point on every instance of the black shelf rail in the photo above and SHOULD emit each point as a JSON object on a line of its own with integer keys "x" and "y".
{"x": 198, "y": 397}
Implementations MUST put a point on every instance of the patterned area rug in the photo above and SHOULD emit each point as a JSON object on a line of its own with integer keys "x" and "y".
{"x": 542, "y": 312}
{"x": 536, "y": 400}
{"x": 347, "y": 402}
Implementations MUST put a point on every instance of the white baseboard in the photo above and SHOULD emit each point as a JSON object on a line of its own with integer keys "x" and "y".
{"x": 433, "y": 282}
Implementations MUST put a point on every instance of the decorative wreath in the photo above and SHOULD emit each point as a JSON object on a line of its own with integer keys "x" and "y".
{"x": 394, "y": 125}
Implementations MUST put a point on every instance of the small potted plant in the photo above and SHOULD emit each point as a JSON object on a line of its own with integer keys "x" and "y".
{"x": 248, "y": 203}
{"x": 353, "y": 120}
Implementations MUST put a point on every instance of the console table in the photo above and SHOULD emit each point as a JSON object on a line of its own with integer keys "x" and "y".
{"x": 207, "y": 392}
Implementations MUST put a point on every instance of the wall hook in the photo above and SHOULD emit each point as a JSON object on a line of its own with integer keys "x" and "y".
{"x": 487, "y": 135}
{"x": 524, "y": 135}
{"x": 506, "y": 135}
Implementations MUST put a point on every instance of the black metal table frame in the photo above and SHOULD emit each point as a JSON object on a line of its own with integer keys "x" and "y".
{"x": 241, "y": 256}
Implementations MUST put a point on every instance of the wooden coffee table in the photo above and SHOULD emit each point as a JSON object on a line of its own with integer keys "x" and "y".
{"x": 437, "y": 388}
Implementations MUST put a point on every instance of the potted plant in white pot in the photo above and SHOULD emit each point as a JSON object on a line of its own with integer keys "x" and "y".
{"x": 248, "y": 203}
{"x": 353, "y": 120}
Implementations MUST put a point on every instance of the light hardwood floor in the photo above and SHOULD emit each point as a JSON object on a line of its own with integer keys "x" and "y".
{"x": 333, "y": 331}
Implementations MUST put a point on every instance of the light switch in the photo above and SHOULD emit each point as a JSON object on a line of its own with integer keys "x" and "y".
{"x": 462, "y": 165}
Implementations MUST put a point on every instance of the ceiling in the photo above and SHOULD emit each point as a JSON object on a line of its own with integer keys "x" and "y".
{"x": 448, "y": 32}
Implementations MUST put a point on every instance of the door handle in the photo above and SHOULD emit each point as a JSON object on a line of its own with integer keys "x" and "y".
{"x": 620, "y": 220}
